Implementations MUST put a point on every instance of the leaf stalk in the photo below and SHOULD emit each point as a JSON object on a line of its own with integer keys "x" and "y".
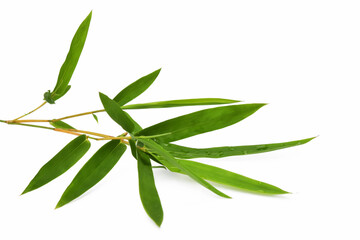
{"x": 30, "y": 111}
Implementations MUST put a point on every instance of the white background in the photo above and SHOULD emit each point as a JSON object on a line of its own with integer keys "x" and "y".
{"x": 301, "y": 57}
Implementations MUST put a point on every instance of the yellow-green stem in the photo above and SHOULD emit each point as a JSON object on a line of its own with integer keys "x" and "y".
{"x": 78, "y": 115}
{"x": 30, "y": 111}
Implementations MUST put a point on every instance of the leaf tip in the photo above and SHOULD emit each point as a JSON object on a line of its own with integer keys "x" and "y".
{"x": 25, "y": 191}
{"x": 59, "y": 204}
{"x": 159, "y": 222}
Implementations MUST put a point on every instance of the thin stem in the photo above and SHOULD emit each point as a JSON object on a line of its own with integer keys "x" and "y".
{"x": 28, "y": 125}
{"x": 70, "y": 131}
{"x": 78, "y": 115}
{"x": 67, "y": 131}
{"x": 29, "y": 120}
{"x": 91, "y": 133}
{"x": 112, "y": 138}
{"x": 54, "y": 120}
{"x": 30, "y": 111}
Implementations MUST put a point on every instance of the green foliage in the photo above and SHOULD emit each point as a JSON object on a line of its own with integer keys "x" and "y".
{"x": 136, "y": 88}
{"x": 93, "y": 171}
{"x": 225, "y": 177}
{"x": 219, "y": 152}
{"x": 60, "y": 163}
{"x": 67, "y": 69}
{"x": 149, "y": 145}
{"x": 200, "y": 122}
{"x": 61, "y": 124}
{"x": 181, "y": 103}
{"x": 147, "y": 189}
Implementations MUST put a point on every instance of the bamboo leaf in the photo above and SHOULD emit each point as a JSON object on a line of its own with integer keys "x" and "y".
{"x": 96, "y": 118}
{"x": 219, "y": 152}
{"x": 61, "y": 125}
{"x": 169, "y": 161}
{"x": 98, "y": 166}
{"x": 117, "y": 114}
{"x": 147, "y": 189}
{"x": 60, "y": 163}
{"x": 136, "y": 88}
{"x": 200, "y": 122}
{"x": 225, "y": 177}
{"x": 180, "y": 103}
{"x": 69, "y": 65}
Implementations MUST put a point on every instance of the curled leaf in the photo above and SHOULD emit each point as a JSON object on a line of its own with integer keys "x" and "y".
{"x": 67, "y": 69}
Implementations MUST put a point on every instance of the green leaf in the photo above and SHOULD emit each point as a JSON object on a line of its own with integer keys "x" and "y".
{"x": 117, "y": 114}
{"x": 124, "y": 120}
{"x": 219, "y": 152}
{"x": 169, "y": 161}
{"x": 98, "y": 166}
{"x": 60, "y": 163}
{"x": 96, "y": 118}
{"x": 136, "y": 88}
{"x": 200, "y": 122}
{"x": 225, "y": 177}
{"x": 147, "y": 189}
{"x": 48, "y": 98}
{"x": 180, "y": 103}
{"x": 61, "y": 125}
{"x": 69, "y": 65}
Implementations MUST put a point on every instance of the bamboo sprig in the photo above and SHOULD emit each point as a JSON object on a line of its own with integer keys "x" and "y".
{"x": 151, "y": 145}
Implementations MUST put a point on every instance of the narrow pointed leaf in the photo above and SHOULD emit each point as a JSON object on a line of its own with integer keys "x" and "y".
{"x": 69, "y": 65}
{"x": 61, "y": 125}
{"x": 117, "y": 114}
{"x": 169, "y": 161}
{"x": 60, "y": 163}
{"x": 98, "y": 166}
{"x": 147, "y": 189}
{"x": 96, "y": 118}
{"x": 226, "y": 177}
{"x": 136, "y": 88}
{"x": 200, "y": 122}
{"x": 180, "y": 103}
{"x": 219, "y": 152}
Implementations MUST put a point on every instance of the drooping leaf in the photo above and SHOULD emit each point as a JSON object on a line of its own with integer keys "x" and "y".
{"x": 219, "y": 152}
{"x": 136, "y": 88}
{"x": 96, "y": 118}
{"x": 200, "y": 122}
{"x": 180, "y": 103}
{"x": 225, "y": 177}
{"x": 98, "y": 166}
{"x": 117, "y": 114}
{"x": 62, "y": 125}
{"x": 60, "y": 163}
{"x": 169, "y": 161}
{"x": 147, "y": 189}
{"x": 69, "y": 65}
